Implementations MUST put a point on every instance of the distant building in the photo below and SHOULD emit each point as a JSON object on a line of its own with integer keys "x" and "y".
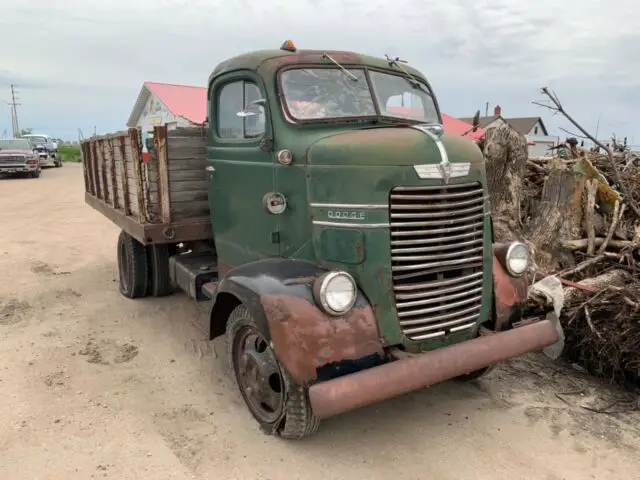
{"x": 168, "y": 104}
{"x": 532, "y": 128}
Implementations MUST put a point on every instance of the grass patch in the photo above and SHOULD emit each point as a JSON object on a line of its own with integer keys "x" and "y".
{"x": 69, "y": 153}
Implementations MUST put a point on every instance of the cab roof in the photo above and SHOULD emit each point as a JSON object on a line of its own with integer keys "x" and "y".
{"x": 269, "y": 61}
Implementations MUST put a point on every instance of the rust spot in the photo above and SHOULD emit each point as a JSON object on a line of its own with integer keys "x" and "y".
{"x": 509, "y": 291}
{"x": 304, "y": 338}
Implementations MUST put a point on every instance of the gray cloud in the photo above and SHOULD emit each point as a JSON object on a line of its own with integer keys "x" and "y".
{"x": 83, "y": 63}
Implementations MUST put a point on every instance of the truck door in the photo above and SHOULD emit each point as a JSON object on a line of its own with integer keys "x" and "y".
{"x": 240, "y": 172}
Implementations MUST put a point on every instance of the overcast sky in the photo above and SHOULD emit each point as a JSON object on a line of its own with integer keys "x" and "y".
{"x": 81, "y": 63}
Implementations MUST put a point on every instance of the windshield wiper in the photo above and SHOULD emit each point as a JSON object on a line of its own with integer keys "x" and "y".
{"x": 344, "y": 70}
{"x": 413, "y": 81}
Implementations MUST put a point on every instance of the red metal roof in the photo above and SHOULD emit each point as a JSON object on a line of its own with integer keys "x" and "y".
{"x": 182, "y": 100}
{"x": 190, "y": 102}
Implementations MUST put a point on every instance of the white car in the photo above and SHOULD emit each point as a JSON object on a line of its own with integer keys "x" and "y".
{"x": 47, "y": 149}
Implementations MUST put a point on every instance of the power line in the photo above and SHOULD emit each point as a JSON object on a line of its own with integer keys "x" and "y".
{"x": 14, "y": 112}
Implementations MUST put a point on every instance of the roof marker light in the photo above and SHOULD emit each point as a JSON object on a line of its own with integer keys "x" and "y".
{"x": 288, "y": 46}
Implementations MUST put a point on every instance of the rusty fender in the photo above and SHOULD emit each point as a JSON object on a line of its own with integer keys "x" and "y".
{"x": 279, "y": 294}
{"x": 383, "y": 382}
{"x": 509, "y": 293}
{"x": 305, "y": 338}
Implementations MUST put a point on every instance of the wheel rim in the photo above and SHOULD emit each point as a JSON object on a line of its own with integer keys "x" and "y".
{"x": 123, "y": 266}
{"x": 258, "y": 375}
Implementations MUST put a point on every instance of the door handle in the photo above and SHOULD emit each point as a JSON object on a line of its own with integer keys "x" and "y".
{"x": 210, "y": 169}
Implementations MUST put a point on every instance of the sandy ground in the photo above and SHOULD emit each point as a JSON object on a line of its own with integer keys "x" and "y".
{"x": 94, "y": 385}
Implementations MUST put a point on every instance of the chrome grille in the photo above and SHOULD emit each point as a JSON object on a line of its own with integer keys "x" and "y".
{"x": 436, "y": 257}
{"x": 11, "y": 160}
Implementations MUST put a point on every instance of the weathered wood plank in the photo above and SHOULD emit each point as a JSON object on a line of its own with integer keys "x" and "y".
{"x": 112, "y": 169}
{"x": 188, "y": 132}
{"x": 164, "y": 193}
{"x": 96, "y": 171}
{"x": 123, "y": 175}
{"x": 188, "y": 175}
{"x": 135, "y": 157}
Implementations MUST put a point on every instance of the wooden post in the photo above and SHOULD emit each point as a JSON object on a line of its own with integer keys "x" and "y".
{"x": 94, "y": 167}
{"x": 137, "y": 172}
{"x": 102, "y": 158}
{"x": 85, "y": 168}
{"x": 123, "y": 174}
{"x": 160, "y": 141}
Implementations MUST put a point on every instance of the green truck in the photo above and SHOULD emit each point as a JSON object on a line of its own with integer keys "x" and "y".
{"x": 343, "y": 239}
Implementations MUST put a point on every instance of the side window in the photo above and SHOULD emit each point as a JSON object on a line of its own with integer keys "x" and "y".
{"x": 234, "y": 98}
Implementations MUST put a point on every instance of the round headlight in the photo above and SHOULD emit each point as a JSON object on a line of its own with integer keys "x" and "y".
{"x": 517, "y": 258}
{"x": 336, "y": 292}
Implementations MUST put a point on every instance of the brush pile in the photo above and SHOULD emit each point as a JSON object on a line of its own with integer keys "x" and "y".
{"x": 581, "y": 220}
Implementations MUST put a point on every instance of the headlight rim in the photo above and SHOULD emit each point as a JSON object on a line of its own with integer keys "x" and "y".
{"x": 320, "y": 287}
{"x": 508, "y": 253}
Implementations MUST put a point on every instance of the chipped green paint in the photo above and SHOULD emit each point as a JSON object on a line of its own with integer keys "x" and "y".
{"x": 333, "y": 163}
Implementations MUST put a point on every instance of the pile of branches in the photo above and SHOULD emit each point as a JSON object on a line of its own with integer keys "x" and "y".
{"x": 579, "y": 214}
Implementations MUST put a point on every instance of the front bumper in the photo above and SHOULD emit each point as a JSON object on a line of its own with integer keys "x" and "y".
{"x": 18, "y": 168}
{"x": 383, "y": 382}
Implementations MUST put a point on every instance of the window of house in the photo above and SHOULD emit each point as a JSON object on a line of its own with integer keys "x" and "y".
{"x": 234, "y": 98}
{"x": 535, "y": 130}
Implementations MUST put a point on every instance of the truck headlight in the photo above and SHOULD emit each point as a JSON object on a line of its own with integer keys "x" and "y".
{"x": 517, "y": 259}
{"x": 335, "y": 292}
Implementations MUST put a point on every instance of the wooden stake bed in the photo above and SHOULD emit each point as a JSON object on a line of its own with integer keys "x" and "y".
{"x": 162, "y": 200}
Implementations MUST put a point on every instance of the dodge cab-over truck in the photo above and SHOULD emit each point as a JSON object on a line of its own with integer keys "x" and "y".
{"x": 343, "y": 239}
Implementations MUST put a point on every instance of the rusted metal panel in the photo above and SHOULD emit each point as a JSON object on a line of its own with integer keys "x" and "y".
{"x": 383, "y": 382}
{"x": 164, "y": 194}
{"x": 509, "y": 292}
{"x": 137, "y": 172}
{"x": 304, "y": 338}
{"x": 153, "y": 233}
{"x": 123, "y": 174}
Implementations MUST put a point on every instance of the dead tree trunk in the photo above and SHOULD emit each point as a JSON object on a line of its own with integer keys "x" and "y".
{"x": 506, "y": 152}
{"x": 557, "y": 219}
{"x": 558, "y": 215}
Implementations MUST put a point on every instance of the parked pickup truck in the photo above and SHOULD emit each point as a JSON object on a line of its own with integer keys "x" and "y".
{"x": 47, "y": 149}
{"x": 346, "y": 248}
{"x": 17, "y": 157}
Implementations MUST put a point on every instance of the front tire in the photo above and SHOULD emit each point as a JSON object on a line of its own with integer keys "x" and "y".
{"x": 35, "y": 173}
{"x": 132, "y": 267}
{"x": 280, "y": 407}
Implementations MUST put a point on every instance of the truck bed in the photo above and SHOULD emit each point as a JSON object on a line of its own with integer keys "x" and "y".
{"x": 161, "y": 200}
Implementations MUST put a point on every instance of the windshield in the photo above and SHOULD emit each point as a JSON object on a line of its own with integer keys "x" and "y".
{"x": 326, "y": 93}
{"x": 37, "y": 139}
{"x": 15, "y": 144}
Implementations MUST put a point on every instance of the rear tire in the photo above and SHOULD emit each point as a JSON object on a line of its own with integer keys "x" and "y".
{"x": 159, "y": 276}
{"x": 132, "y": 267}
{"x": 264, "y": 383}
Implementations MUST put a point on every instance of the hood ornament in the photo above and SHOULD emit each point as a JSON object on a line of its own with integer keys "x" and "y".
{"x": 445, "y": 170}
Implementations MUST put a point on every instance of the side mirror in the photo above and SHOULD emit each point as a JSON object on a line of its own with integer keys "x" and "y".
{"x": 251, "y": 109}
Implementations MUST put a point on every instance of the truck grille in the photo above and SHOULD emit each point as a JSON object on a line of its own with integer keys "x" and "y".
{"x": 436, "y": 257}
{"x": 11, "y": 160}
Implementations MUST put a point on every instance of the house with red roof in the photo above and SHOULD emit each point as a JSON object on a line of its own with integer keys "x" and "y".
{"x": 185, "y": 105}
{"x": 168, "y": 104}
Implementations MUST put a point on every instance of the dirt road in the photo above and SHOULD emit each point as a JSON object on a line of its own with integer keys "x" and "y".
{"x": 94, "y": 385}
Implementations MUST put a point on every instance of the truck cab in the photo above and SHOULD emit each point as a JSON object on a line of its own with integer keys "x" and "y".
{"x": 350, "y": 230}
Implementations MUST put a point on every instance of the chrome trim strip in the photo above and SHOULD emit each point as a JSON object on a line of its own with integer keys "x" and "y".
{"x": 363, "y": 206}
{"x": 350, "y": 225}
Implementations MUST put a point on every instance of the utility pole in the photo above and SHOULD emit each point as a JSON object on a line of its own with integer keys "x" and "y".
{"x": 14, "y": 112}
